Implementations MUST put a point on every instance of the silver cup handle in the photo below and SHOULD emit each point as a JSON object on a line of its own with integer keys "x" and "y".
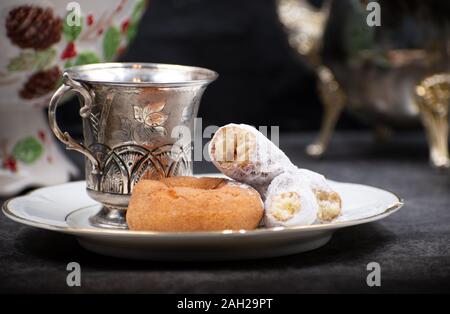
{"x": 85, "y": 111}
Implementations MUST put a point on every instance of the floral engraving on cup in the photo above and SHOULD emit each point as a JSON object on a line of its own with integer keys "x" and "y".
{"x": 151, "y": 116}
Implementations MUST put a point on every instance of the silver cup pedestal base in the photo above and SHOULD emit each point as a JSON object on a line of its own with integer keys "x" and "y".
{"x": 112, "y": 215}
{"x": 109, "y": 218}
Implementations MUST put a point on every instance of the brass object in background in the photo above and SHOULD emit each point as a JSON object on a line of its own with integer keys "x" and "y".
{"x": 376, "y": 78}
{"x": 334, "y": 99}
{"x": 305, "y": 26}
{"x": 433, "y": 102}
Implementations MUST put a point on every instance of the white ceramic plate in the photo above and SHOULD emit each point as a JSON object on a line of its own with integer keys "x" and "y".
{"x": 66, "y": 208}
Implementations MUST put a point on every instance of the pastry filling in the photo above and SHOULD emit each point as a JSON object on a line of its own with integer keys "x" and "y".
{"x": 233, "y": 147}
{"x": 329, "y": 205}
{"x": 284, "y": 206}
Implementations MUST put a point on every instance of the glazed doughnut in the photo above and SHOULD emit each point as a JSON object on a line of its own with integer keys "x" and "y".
{"x": 290, "y": 201}
{"x": 244, "y": 154}
{"x": 193, "y": 204}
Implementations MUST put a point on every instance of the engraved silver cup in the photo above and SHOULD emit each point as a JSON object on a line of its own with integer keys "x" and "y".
{"x": 129, "y": 112}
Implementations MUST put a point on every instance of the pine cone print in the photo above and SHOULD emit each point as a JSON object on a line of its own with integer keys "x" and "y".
{"x": 33, "y": 27}
{"x": 41, "y": 83}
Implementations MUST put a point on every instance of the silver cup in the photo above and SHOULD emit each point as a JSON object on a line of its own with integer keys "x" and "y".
{"x": 129, "y": 113}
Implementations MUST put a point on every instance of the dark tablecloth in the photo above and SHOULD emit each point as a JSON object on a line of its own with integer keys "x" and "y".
{"x": 412, "y": 246}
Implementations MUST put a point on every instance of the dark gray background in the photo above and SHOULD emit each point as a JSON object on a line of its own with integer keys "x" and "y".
{"x": 262, "y": 80}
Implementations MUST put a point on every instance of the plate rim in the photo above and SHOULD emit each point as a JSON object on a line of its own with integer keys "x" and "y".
{"x": 261, "y": 231}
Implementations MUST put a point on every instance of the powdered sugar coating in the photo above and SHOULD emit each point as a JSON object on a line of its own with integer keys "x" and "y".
{"x": 291, "y": 182}
{"x": 330, "y": 203}
{"x": 268, "y": 170}
{"x": 264, "y": 160}
{"x": 316, "y": 180}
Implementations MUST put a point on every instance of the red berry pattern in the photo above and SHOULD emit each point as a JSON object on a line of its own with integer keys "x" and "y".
{"x": 90, "y": 20}
{"x": 10, "y": 163}
{"x": 125, "y": 25}
{"x": 69, "y": 52}
{"x": 41, "y": 135}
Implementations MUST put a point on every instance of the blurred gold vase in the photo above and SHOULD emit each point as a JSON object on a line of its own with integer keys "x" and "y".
{"x": 381, "y": 84}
